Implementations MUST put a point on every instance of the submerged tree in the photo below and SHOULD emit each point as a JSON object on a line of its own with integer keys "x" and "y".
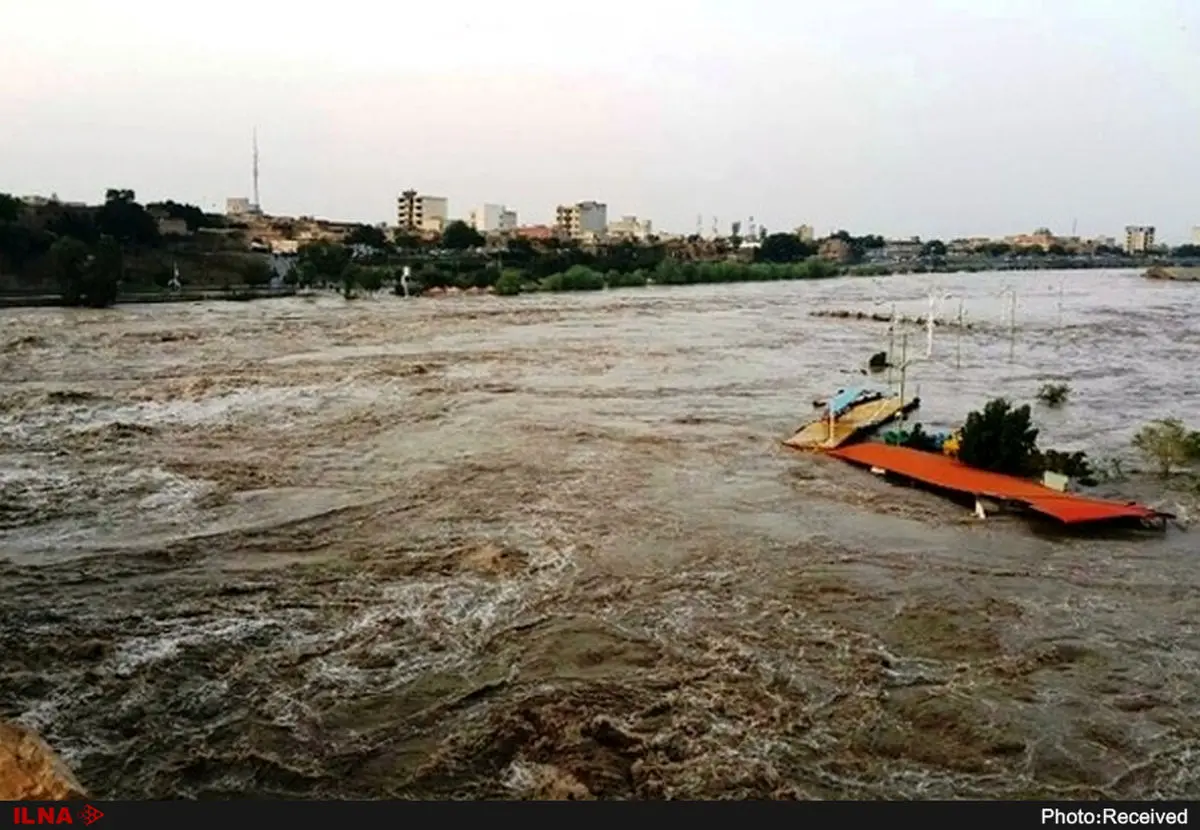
{"x": 1168, "y": 444}
{"x": 1000, "y": 439}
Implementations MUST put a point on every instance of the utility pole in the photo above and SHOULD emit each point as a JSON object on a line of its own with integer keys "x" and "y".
{"x": 257, "y": 203}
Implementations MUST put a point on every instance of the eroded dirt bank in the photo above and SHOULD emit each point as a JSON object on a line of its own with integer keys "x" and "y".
{"x": 488, "y": 548}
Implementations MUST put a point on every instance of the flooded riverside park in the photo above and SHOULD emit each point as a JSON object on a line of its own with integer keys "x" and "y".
{"x": 549, "y": 546}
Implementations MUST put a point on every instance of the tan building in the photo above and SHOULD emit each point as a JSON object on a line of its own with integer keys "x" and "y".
{"x": 630, "y": 227}
{"x": 1041, "y": 238}
{"x": 1139, "y": 239}
{"x": 582, "y": 219}
{"x": 539, "y": 233}
{"x": 173, "y": 227}
{"x": 417, "y": 213}
{"x": 1196, "y": 235}
{"x": 241, "y": 206}
{"x": 836, "y": 249}
{"x": 493, "y": 219}
{"x": 805, "y": 233}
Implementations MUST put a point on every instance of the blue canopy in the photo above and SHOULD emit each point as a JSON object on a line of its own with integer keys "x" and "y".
{"x": 846, "y": 398}
{"x": 843, "y": 399}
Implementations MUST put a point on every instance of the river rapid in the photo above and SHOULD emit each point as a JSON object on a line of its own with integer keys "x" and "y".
{"x": 550, "y": 546}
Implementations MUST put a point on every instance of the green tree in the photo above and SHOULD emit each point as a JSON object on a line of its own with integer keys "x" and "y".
{"x": 68, "y": 259}
{"x": 304, "y": 274}
{"x": 934, "y": 248}
{"x": 1000, "y": 439}
{"x": 408, "y": 241}
{"x": 80, "y": 224}
{"x": 459, "y": 236}
{"x": 1187, "y": 252}
{"x": 784, "y": 247}
{"x": 323, "y": 262}
{"x": 351, "y": 279}
{"x": 21, "y": 246}
{"x": 519, "y": 252}
{"x": 104, "y": 273}
{"x": 371, "y": 279}
{"x": 1168, "y": 444}
{"x": 368, "y": 236}
{"x": 10, "y": 208}
{"x": 258, "y": 273}
{"x": 89, "y": 279}
{"x": 122, "y": 218}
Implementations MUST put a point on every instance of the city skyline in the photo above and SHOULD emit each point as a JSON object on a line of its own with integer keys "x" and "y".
{"x": 932, "y": 128}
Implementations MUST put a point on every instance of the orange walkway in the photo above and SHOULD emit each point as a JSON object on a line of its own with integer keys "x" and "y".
{"x": 949, "y": 474}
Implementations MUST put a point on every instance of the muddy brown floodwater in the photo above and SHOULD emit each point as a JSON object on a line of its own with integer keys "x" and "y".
{"x": 550, "y": 547}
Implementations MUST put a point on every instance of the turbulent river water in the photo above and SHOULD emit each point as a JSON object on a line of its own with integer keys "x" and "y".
{"x": 549, "y": 546}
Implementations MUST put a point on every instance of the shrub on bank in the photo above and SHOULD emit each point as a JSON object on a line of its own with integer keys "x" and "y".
{"x": 626, "y": 279}
{"x": 510, "y": 282}
{"x": 575, "y": 278}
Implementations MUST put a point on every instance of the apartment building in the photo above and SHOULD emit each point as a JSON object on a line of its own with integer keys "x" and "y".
{"x": 1196, "y": 235}
{"x": 581, "y": 219}
{"x": 805, "y": 233}
{"x": 417, "y": 213}
{"x": 1139, "y": 239}
{"x": 630, "y": 227}
{"x": 493, "y": 219}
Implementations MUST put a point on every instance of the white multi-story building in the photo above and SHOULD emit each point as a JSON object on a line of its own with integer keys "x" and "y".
{"x": 1196, "y": 235}
{"x": 1139, "y": 239}
{"x": 417, "y": 213}
{"x": 630, "y": 227}
{"x": 582, "y": 219}
{"x": 493, "y": 219}
{"x": 805, "y": 232}
{"x": 238, "y": 206}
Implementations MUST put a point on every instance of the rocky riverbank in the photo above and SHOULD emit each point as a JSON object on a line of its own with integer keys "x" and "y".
{"x": 30, "y": 770}
{"x": 1159, "y": 272}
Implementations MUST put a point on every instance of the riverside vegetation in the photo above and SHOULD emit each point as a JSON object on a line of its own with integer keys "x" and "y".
{"x": 1001, "y": 438}
{"x": 93, "y": 255}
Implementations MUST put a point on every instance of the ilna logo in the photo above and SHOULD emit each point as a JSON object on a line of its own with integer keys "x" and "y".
{"x": 88, "y": 815}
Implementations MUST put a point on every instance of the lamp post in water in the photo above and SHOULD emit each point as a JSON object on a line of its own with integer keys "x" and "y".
{"x": 877, "y": 301}
{"x": 935, "y": 307}
{"x": 1011, "y": 294}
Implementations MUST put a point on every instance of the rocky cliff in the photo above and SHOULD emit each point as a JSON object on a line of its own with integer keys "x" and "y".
{"x": 30, "y": 770}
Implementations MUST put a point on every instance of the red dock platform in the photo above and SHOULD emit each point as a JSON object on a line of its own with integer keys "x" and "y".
{"x": 949, "y": 474}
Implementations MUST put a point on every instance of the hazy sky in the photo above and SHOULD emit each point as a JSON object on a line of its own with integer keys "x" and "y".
{"x": 933, "y": 117}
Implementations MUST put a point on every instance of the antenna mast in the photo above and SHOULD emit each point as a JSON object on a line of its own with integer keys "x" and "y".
{"x": 256, "y": 202}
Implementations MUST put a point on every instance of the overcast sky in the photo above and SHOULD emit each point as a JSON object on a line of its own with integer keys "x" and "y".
{"x": 937, "y": 118}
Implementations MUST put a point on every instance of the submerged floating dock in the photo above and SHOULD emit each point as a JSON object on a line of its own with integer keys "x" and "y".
{"x": 854, "y": 421}
{"x": 949, "y": 474}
